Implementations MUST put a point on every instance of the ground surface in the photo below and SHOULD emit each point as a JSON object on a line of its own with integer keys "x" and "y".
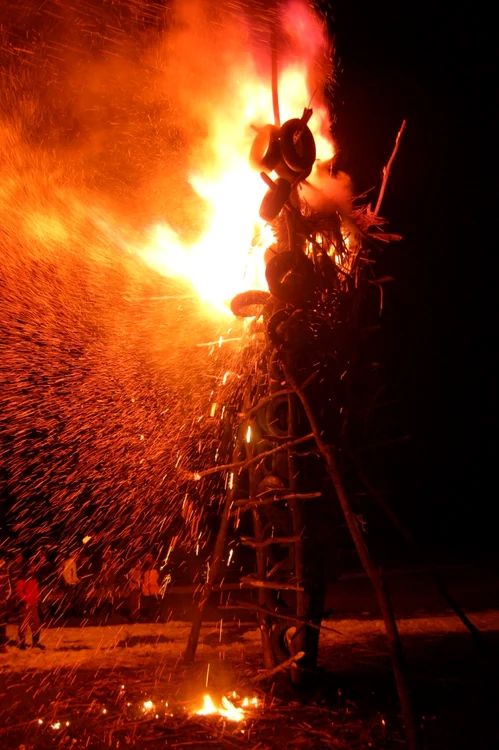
{"x": 91, "y": 688}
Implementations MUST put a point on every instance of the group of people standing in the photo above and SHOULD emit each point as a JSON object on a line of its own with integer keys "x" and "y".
{"x": 27, "y": 588}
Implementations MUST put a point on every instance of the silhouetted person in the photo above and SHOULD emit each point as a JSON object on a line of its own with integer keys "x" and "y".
{"x": 70, "y": 581}
{"x": 134, "y": 590}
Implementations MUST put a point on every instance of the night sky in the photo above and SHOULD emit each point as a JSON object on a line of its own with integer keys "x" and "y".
{"x": 425, "y": 64}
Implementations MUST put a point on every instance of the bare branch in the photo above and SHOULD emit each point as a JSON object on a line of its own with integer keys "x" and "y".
{"x": 249, "y": 503}
{"x": 280, "y": 667}
{"x": 387, "y": 169}
{"x": 274, "y": 585}
{"x": 271, "y": 540}
{"x": 272, "y": 396}
{"x": 278, "y": 615}
{"x": 248, "y": 462}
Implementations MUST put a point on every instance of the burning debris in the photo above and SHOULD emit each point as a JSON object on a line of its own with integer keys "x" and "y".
{"x": 227, "y": 709}
{"x": 303, "y": 379}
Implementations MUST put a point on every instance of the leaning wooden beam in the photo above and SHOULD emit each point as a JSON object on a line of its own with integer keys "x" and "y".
{"x": 264, "y": 621}
{"x": 271, "y": 540}
{"x": 213, "y": 576}
{"x": 275, "y": 74}
{"x": 284, "y": 392}
{"x": 393, "y": 636}
{"x": 300, "y": 643}
{"x": 280, "y": 667}
{"x": 250, "y": 503}
{"x": 406, "y": 534}
{"x": 387, "y": 169}
{"x": 278, "y": 615}
{"x": 275, "y": 585}
{"x": 241, "y": 465}
{"x": 264, "y": 401}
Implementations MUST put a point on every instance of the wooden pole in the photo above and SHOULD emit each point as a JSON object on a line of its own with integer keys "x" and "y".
{"x": 264, "y": 620}
{"x": 393, "y": 636}
{"x": 213, "y": 575}
{"x": 275, "y": 74}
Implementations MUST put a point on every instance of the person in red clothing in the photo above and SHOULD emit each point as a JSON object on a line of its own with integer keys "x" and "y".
{"x": 28, "y": 596}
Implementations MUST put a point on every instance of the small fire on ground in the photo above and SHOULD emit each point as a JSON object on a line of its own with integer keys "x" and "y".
{"x": 232, "y": 708}
{"x": 228, "y": 708}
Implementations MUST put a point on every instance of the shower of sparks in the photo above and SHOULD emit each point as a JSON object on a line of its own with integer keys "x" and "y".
{"x": 112, "y": 375}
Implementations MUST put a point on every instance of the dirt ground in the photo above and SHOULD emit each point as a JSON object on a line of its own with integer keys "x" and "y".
{"x": 125, "y": 686}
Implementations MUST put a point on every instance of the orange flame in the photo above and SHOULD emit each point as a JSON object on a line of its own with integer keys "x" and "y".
{"x": 228, "y": 257}
{"x": 227, "y": 710}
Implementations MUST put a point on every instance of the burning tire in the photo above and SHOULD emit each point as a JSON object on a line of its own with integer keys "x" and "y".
{"x": 280, "y": 466}
{"x": 274, "y": 334}
{"x": 290, "y": 277}
{"x": 277, "y": 417}
{"x": 249, "y": 304}
{"x": 265, "y": 150}
{"x": 297, "y": 146}
{"x": 275, "y": 368}
{"x": 283, "y": 633}
{"x": 266, "y": 464}
{"x": 270, "y": 483}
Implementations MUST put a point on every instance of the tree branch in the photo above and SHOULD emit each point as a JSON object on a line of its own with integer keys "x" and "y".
{"x": 278, "y": 615}
{"x": 274, "y": 585}
{"x": 272, "y": 396}
{"x": 387, "y": 169}
{"x": 280, "y": 667}
{"x": 270, "y": 540}
{"x": 249, "y": 503}
{"x": 247, "y": 462}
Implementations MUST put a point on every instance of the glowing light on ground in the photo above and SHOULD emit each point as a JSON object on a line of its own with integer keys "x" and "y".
{"x": 227, "y": 709}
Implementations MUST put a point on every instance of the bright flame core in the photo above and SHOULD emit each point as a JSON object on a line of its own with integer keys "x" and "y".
{"x": 228, "y": 256}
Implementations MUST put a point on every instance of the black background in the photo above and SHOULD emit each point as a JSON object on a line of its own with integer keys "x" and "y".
{"x": 429, "y": 66}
